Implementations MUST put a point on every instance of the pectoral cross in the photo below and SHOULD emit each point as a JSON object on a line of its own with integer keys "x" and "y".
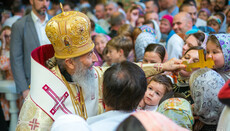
{"x": 209, "y": 63}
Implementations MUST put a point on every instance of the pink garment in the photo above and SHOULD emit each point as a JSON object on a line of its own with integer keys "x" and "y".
{"x": 100, "y": 60}
{"x": 169, "y": 18}
{"x": 154, "y": 121}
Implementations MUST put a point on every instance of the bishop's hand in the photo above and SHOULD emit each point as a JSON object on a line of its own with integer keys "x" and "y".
{"x": 173, "y": 65}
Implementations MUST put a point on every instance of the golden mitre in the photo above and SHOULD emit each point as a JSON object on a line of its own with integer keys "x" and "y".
{"x": 69, "y": 33}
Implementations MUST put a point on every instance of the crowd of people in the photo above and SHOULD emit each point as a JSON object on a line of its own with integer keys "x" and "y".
{"x": 119, "y": 65}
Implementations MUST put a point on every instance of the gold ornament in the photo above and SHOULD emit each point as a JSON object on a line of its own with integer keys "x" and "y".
{"x": 69, "y": 33}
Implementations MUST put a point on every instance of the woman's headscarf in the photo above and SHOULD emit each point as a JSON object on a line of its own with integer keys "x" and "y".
{"x": 157, "y": 30}
{"x": 223, "y": 24}
{"x": 204, "y": 85}
{"x": 143, "y": 40}
{"x": 178, "y": 110}
{"x": 224, "y": 40}
{"x": 205, "y": 10}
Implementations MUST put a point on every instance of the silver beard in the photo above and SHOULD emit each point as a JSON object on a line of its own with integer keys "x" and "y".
{"x": 85, "y": 78}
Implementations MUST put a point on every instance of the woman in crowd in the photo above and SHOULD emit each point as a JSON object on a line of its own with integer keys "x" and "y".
{"x": 166, "y": 26}
{"x": 218, "y": 48}
{"x": 154, "y": 53}
{"x": 182, "y": 80}
{"x": 100, "y": 41}
{"x": 196, "y": 39}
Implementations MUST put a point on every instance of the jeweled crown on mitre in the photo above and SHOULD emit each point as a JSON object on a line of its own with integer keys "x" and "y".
{"x": 69, "y": 33}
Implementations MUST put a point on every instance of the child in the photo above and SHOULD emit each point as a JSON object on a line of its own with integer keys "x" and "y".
{"x": 154, "y": 53}
{"x": 204, "y": 14}
{"x": 119, "y": 48}
{"x": 158, "y": 86}
{"x": 215, "y": 23}
{"x": 218, "y": 48}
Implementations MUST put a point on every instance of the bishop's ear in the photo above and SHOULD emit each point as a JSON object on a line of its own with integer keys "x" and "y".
{"x": 70, "y": 65}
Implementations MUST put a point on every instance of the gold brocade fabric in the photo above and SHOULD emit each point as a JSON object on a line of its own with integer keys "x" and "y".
{"x": 31, "y": 117}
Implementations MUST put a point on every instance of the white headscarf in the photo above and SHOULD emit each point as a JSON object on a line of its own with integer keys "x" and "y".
{"x": 157, "y": 30}
{"x": 142, "y": 41}
{"x": 205, "y": 85}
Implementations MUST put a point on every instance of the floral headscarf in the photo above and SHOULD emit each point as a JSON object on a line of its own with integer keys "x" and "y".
{"x": 145, "y": 28}
{"x": 142, "y": 41}
{"x": 178, "y": 110}
{"x": 205, "y": 85}
{"x": 224, "y": 40}
{"x": 157, "y": 30}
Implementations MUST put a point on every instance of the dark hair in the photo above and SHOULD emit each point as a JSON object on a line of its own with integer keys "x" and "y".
{"x": 121, "y": 42}
{"x": 131, "y": 124}
{"x": 17, "y": 7}
{"x": 184, "y": 5}
{"x": 196, "y": 48}
{"x": 164, "y": 80}
{"x": 134, "y": 8}
{"x": 157, "y": 48}
{"x": 120, "y": 4}
{"x": 214, "y": 40}
{"x": 189, "y": 2}
{"x": 149, "y": 22}
{"x": 209, "y": 2}
{"x": 124, "y": 86}
{"x": 200, "y": 36}
{"x": 155, "y": 2}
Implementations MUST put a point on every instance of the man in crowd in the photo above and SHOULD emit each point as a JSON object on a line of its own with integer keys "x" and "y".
{"x": 151, "y": 6}
{"x": 182, "y": 22}
{"x": 152, "y": 16}
{"x": 100, "y": 11}
{"x": 27, "y": 34}
{"x": 110, "y": 8}
{"x": 191, "y": 9}
{"x": 18, "y": 12}
{"x": 220, "y": 5}
{"x": 171, "y": 9}
{"x": 120, "y": 80}
{"x": 116, "y": 21}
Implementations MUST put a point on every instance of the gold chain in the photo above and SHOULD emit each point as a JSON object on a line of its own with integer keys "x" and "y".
{"x": 81, "y": 109}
